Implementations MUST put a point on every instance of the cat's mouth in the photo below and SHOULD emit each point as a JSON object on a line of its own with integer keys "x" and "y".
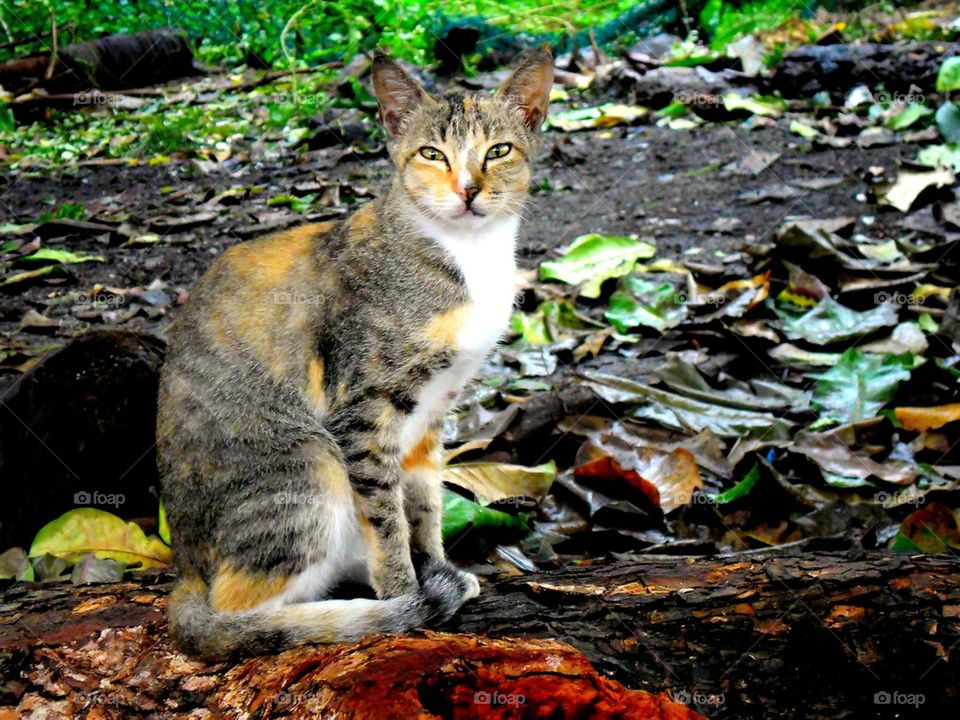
{"x": 470, "y": 212}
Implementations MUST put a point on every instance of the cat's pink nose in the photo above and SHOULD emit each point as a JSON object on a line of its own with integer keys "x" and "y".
{"x": 468, "y": 192}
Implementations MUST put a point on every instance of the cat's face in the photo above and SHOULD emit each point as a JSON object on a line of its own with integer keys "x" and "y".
{"x": 465, "y": 159}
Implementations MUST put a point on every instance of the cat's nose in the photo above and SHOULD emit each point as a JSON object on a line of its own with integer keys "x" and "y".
{"x": 468, "y": 192}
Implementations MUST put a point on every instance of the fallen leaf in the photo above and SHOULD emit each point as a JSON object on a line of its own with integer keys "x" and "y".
{"x": 904, "y": 191}
{"x": 603, "y": 116}
{"x": 493, "y": 482}
{"x": 593, "y": 258}
{"x": 88, "y": 530}
{"x": 921, "y": 419}
{"x": 859, "y": 385}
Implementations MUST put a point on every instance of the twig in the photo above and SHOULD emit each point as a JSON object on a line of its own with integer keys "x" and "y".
{"x": 54, "y": 47}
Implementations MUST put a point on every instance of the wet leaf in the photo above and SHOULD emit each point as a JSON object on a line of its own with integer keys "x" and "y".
{"x": 921, "y": 419}
{"x": 647, "y": 303}
{"x": 492, "y": 482}
{"x": 461, "y": 515}
{"x": 859, "y": 385}
{"x": 830, "y": 322}
{"x": 678, "y": 412}
{"x": 88, "y": 530}
{"x": 593, "y": 258}
{"x": 758, "y": 394}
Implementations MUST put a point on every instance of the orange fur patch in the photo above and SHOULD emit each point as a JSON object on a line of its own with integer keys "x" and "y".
{"x": 315, "y": 383}
{"x": 233, "y": 590}
{"x": 444, "y": 329}
{"x": 363, "y": 219}
{"x": 423, "y": 455}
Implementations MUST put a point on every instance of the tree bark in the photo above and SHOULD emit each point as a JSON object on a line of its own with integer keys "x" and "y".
{"x": 805, "y": 636}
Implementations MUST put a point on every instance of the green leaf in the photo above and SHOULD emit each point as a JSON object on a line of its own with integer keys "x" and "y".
{"x": 606, "y": 115}
{"x": 859, "y": 385}
{"x": 948, "y": 122}
{"x": 28, "y": 275}
{"x": 88, "y": 530}
{"x": 593, "y": 258}
{"x": 163, "y": 528}
{"x": 532, "y": 328}
{"x": 942, "y": 157}
{"x": 645, "y": 302}
{"x": 741, "y": 489}
{"x": 678, "y": 412}
{"x": 910, "y": 115}
{"x": 830, "y": 322}
{"x": 803, "y": 130}
{"x": 492, "y": 482}
{"x": 55, "y": 255}
{"x": 756, "y": 104}
{"x": 948, "y": 78}
{"x": 461, "y": 515}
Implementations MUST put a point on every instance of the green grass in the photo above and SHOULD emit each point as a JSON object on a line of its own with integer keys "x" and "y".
{"x": 321, "y": 31}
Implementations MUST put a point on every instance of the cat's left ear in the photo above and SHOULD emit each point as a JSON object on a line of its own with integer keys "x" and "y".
{"x": 397, "y": 92}
{"x": 529, "y": 86}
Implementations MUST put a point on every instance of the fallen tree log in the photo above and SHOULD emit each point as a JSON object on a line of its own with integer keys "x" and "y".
{"x": 806, "y": 636}
{"x": 114, "y": 62}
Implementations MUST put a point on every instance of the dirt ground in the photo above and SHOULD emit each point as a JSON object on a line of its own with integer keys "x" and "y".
{"x": 673, "y": 186}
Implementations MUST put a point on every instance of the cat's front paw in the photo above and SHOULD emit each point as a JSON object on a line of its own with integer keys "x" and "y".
{"x": 447, "y": 586}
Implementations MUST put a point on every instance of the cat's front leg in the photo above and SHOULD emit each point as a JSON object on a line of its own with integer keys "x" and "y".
{"x": 423, "y": 500}
{"x": 373, "y": 466}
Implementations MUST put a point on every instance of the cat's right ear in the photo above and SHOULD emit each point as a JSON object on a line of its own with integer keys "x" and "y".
{"x": 397, "y": 92}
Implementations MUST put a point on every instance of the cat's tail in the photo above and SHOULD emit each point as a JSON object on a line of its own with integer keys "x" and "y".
{"x": 203, "y": 631}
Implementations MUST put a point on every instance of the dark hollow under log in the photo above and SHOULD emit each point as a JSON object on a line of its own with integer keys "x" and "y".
{"x": 805, "y": 636}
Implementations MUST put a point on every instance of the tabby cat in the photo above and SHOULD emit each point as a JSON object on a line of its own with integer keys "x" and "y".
{"x": 308, "y": 378}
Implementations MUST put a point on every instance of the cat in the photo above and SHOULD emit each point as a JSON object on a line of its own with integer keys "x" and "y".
{"x": 308, "y": 378}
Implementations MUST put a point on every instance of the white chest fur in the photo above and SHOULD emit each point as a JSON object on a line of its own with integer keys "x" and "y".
{"x": 486, "y": 259}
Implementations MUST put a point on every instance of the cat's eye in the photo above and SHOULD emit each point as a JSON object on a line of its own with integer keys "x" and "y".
{"x": 499, "y": 150}
{"x": 431, "y": 153}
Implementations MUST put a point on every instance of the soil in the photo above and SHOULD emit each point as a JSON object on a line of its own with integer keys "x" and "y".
{"x": 668, "y": 185}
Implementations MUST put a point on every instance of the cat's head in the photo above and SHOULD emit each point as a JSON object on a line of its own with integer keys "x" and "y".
{"x": 465, "y": 159}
